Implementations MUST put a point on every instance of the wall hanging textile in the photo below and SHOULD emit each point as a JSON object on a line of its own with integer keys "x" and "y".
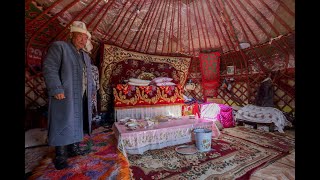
{"x": 210, "y": 73}
{"x": 124, "y": 64}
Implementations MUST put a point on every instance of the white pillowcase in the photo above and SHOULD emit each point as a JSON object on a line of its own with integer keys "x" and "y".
{"x": 161, "y": 79}
{"x": 139, "y": 81}
{"x": 138, "y": 84}
{"x": 166, "y": 84}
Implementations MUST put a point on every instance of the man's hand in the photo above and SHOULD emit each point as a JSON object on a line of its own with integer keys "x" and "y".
{"x": 59, "y": 96}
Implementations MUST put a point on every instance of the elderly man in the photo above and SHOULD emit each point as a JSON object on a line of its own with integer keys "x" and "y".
{"x": 68, "y": 78}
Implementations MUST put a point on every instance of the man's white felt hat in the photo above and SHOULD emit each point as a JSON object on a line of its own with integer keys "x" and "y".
{"x": 79, "y": 26}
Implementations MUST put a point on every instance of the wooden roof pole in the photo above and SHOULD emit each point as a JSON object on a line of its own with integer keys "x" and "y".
{"x": 159, "y": 32}
{"x": 189, "y": 27}
{"x": 103, "y": 15}
{"x": 263, "y": 17}
{"x": 136, "y": 15}
{"x": 238, "y": 20}
{"x": 160, "y": 17}
{"x": 142, "y": 23}
{"x": 205, "y": 23}
{"x": 179, "y": 27}
{"x": 224, "y": 38}
{"x": 195, "y": 15}
{"x": 45, "y": 11}
{"x": 195, "y": 18}
{"x": 165, "y": 28}
{"x": 281, "y": 21}
{"x": 120, "y": 23}
{"x": 156, "y": 18}
{"x": 134, "y": 12}
{"x": 245, "y": 22}
{"x": 45, "y": 25}
{"x": 109, "y": 30}
{"x": 286, "y": 8}
{"x": 252, "y": 17}
{"x": 146, "y": 26}
{"x": 227, "y": 24}
{"x": 171, "y": 27}
{"x": 213, "y": 22}
{"x": 173, "y": 37}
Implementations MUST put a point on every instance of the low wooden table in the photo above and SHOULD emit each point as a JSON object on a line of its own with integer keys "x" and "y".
{"x": 158, "y": 136}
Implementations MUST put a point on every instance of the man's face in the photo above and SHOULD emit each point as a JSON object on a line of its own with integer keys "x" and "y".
{"x": 79, "y": 40}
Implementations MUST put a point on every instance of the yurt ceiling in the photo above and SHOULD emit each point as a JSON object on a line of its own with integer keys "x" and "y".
{"x": 257, "y": 33}
{"x": 163, "y": 27}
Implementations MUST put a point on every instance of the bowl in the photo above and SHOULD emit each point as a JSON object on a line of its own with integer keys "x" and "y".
{"x": 147, "y": 118}
{"x": 132, "y": 120}
{"x": 132, "y": 124}
{"x": 123, "y": 121}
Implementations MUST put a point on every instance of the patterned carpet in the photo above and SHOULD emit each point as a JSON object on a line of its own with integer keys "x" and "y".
{"x": 103, "y": 162}
{"x": 238, "y": 153}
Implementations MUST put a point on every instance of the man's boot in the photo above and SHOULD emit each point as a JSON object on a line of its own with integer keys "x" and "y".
{"x": 60, "y": 161}
{"x": 74, "y": 150}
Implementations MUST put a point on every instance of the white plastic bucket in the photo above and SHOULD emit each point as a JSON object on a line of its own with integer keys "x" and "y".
{"x": 203, "y": 139}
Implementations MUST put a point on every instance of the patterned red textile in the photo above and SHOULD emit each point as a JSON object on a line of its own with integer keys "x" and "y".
{"x": 192, "y": 109}
{"x": 127, "y": 95}
{"x": 131, "y": 68}
{"x": 210, "y": 66}
{"x": 210, "y": 72}
{"x": 210, "y": 89}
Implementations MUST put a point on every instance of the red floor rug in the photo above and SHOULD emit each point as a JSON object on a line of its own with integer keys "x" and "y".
{"x": 235, "y": 155}
{"x": 103, "y": 162}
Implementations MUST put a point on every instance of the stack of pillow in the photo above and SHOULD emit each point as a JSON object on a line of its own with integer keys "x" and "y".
{"x": 163, "y": 81}
{"x": 159, "y": 81}
{"x": 138, "y": 82}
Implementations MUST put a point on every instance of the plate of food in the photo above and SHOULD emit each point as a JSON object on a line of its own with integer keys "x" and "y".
{"x": 123, "y": 121}
{"x": 186, "y": 149}
{"x": 131, "y": 124}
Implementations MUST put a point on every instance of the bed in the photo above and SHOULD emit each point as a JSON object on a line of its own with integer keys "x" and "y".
{"x": 119, "y": 97}
{"x": 264, "y": 115}
{"x": 147, "y": 101}
{"x": 263, "y": 111}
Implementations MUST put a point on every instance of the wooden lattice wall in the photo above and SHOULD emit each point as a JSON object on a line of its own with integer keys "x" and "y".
{"x": 251, "y": 67}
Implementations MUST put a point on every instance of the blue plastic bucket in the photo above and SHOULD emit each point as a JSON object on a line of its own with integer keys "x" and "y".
{"x": 203, "y": 139}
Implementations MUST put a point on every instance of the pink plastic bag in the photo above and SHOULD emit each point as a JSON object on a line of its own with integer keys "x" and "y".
{"x": 225, "y": 116}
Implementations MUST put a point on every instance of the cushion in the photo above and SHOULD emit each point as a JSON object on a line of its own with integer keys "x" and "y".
{"x": 138, "y": 84}
{"x": 139, "y": 81}
{"x": 166, "y": 84}
{"x": 146, "y": 76}
{"x": 161, "y": 79}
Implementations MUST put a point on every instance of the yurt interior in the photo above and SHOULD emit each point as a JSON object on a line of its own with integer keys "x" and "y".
{"x": 173, "y": 89}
